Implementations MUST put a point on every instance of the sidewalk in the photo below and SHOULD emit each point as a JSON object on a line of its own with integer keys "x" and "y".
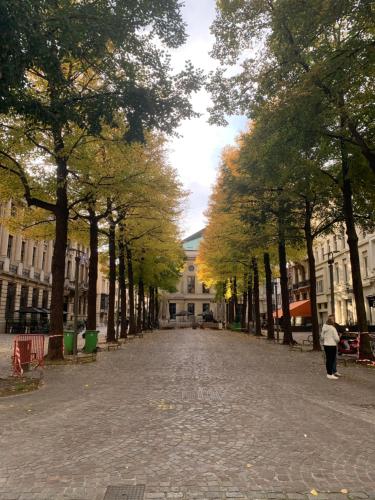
{"x": 6, "y": 349}
{"x": 193, "y": 414}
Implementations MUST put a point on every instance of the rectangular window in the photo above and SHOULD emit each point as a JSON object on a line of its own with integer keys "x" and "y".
{"x": 43, "y": 260}
{"x": 35, "y": 297}
{"x": 335, "y": 243}
{"x": 69, "y": 271}
{"x": 34, "y": 257}
{"x": 23, "y": 296}
{"x": 23, "y": 250}
{"x": 337, "y": 273}
{"x": 343, "y": 240}
{"x": 319, "y": 286}
{"x": 172, "y": 310}
{"x": 365, "y": 264}
{"x": 322, "y": 252}
{"x": 45, "y": 299}
{"x": 10, "y": 303}
{"x": 345, "y": 268}
{"x": 103, "y": 302}
{"x": 205, "y": 308}
{"x": 10, "y": 246}
{"x": 191, "y": 284}
{"x": 205, "y": 289}
{"x": 191, "y": 308}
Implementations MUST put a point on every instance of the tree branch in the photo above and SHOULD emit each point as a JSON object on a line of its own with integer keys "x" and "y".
{"x": 19, "y": 172}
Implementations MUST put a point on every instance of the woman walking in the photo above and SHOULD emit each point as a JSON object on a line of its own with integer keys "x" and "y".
{"x": 330, "y": 339}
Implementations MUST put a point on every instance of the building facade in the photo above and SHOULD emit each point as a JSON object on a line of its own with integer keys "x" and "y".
{"x": 192, "y": 296}
{"x": 26, "y": 282}
{"x": 333, "y": 272}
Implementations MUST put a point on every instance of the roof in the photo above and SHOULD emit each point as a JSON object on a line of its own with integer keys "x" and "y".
{"x": 192, "y": 242}
{"x": 299, "y": 308}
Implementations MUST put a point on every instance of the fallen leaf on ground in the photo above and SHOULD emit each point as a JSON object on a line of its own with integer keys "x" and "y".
{"x": 314, "y": 492}
{"x": 344, "y": 491}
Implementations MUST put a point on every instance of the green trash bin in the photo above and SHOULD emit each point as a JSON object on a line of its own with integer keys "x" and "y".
{"x": 91, "y": 340}
{"x": 68, "y": 341}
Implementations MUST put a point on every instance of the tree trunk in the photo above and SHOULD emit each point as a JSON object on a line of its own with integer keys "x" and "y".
{"x": 235, "y": 300}
{"x": 157, "y": 308}
{"x": 312, "y": 275}
{"x": 111, "y": 334}
{"x": 365, "y": 345}
{"x": 55, "y": 347}
{"x": 244, "y": 305}
{"x": 231, "y": 310}
{"x": 58, "y": 264}
{"x": 122, "y": 282}
{"x": 93, "y": 270}
{"x": 249, "y": 301}
{"x": 61, "y": 239}
{"x": 258, "y": 326}
{"x": 286, "y": 324}
{"x": 151, "y": 308}
{"x": 269, "y": 290}
{"x": 144, "y": 308}
{"x": 230, "y": 314}
{"x": 139, "y": 307}
{"x": 129, "y": 260}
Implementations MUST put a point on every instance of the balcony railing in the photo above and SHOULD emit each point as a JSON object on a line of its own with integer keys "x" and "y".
{"x": 304, "y": 283}
{"x": 301, "y": 284}
{"x": 37, "y": 276}
{"x": 1, "y": 265}
{"x": 26, "y": 273}
{"x": 13, "y": 269}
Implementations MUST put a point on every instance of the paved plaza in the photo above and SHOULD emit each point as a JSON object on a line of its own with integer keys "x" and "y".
{"x": 192, "y": 414}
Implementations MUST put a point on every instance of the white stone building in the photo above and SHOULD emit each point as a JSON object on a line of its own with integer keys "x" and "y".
{"x": 334, "y": 248}
{"x": 192, "y": 296}
{"x": 26, "y": 281}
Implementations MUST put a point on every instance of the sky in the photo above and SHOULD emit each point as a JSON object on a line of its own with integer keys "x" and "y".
{"x": 196, "y": 152}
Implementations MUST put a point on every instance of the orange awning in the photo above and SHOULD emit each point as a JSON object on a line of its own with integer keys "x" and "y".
{"x": 301, "y": 308}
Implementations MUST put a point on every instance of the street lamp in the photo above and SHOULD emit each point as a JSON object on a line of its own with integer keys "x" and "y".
{"x": 331, "y": 260}
{"x": 277, "y": 312}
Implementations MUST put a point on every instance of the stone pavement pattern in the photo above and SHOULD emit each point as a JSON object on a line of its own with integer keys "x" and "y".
{"x": 192, "y": 414}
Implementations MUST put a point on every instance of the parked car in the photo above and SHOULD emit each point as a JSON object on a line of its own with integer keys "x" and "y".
{"x": 348, "y": 343}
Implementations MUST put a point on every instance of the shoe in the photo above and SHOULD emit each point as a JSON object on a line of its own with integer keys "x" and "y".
{"x": 337, "y": 374}
{"x": 332, "y": 377}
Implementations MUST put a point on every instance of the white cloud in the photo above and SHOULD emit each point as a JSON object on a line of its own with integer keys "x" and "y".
{"x": 196, "y": 153}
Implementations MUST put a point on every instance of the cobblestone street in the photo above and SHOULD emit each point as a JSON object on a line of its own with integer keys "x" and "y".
{"x": 193, "y": 414}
